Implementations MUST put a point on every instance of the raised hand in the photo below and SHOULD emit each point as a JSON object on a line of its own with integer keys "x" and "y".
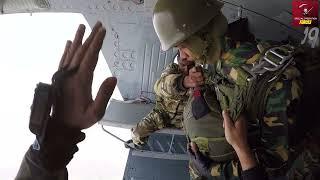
{"x": 75, "y": 106}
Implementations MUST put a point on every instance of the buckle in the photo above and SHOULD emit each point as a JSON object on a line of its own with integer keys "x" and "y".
{"x": 280, "y": 59}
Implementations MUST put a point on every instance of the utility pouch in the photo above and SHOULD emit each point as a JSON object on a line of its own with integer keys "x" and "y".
{"x": 43, "y": 101}
{"x": 40, "y": 109}
{"x": 199, "y": 105}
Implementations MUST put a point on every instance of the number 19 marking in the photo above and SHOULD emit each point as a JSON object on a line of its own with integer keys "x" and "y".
{"x": 311, "y": 36}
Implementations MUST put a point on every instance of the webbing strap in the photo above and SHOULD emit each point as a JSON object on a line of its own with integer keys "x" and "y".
{"x": 277, "y": 60}
{"x": 274, "y": 59}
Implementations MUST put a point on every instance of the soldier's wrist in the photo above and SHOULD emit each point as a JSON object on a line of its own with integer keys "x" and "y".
{"x": 246, "y": 157}
{"x": 57, "y": 147}
{"x": 241, "y": 148}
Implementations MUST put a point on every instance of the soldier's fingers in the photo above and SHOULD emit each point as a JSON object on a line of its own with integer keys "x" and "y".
{"x": 78, "y": 57}
{"x": 196, "y": 79}
{"x": 241, "y": 123}
{"x": 198, "y": 69}
{"x": 195, "y": 150}
{"x": 199, "y": 81}
{"x": 66, "y": 49}
{"x": 94, "y": 31}
{"x": 200, "y": 78}
{"x": 184, "y": 69}
{"x": 192, "y": 70}
{"x": 194, "y": 147}
{"x": 199, "y": 84}
{"x": 190, "y": 152}
{"x": 227, "y": 120}
{"x": 75, "y": 45}
{"x": 103, "y": 96}
{"x": 193, "y": 84}
{"x": 197, "y": 74}
{"x": 91, "y": 55}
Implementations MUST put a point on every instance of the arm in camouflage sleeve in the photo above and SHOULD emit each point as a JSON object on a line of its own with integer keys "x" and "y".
{"x": 231, "y": 169}
{"x": 170, "y": 83}
{"x": 30, "y": 169}
{"x": 202, "y": 167}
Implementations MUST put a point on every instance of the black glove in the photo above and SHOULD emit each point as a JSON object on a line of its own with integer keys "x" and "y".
{"x": 200, "y": 161}
{"x": 55, "y": 142}
{"x": 56, "y": 150}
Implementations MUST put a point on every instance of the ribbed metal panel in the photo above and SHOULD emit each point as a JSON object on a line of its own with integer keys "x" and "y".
{"x": 163, "y": 158}
{"x": 131, "y": 47}
{"x": 23, "y": 5}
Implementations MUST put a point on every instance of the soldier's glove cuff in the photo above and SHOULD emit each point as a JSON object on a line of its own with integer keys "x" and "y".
{"x": 58, "y": 146}
{"x": 200, "y": 162}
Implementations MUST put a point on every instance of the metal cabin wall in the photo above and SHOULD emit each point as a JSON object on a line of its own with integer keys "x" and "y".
{"x": 132, "y": 49}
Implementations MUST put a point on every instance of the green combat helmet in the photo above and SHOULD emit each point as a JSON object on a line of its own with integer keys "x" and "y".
{"x": 176, "y": 20}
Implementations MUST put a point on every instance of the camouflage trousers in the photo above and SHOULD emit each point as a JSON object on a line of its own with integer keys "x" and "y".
{"x": 219, "y": 171}
{"x": 305, "y": 167}
{"x": 155, "y": 120}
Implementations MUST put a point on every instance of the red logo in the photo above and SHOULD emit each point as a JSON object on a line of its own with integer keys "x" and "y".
{"x": 305, "y": 12}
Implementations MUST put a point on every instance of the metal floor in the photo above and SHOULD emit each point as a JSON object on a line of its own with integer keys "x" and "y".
{"x": 163, "y": 158}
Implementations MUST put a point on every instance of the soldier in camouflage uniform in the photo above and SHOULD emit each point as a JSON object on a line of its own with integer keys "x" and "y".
{"x": 277, "y": 123}
{"x": 270, "y": 103}
{"x": 171, "y": 96}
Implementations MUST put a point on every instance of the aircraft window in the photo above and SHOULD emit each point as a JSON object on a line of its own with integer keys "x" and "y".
{"x": 31, "y": 48}
{"x": 176, "y": 58}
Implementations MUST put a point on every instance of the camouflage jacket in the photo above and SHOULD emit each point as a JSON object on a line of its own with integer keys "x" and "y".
{"x": 171, "y": 95}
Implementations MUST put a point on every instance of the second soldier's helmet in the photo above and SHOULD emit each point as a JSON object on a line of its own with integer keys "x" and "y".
{"x": 176, "y": 20}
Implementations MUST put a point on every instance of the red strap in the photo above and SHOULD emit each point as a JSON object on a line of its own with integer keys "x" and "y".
{"x": 196, "y": 92}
